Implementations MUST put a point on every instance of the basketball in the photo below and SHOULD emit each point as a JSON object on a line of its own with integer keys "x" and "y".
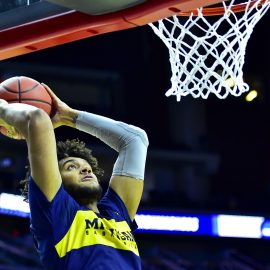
{"x": 26, "y": 90}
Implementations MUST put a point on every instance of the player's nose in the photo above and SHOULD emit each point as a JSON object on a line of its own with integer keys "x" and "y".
{"x": 85, "y": 170}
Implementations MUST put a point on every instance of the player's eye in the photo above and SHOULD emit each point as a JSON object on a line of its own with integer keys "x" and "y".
{"x": 71, "y": 167}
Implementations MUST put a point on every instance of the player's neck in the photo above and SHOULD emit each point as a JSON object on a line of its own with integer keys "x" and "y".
{"x": 92, "y": 206}
{"x": 89, "y": 204}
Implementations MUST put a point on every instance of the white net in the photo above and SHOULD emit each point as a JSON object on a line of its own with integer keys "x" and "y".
{"x": 207, "y": 53}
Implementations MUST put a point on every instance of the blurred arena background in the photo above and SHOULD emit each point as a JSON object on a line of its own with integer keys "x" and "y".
{"x": 205, "y": 156}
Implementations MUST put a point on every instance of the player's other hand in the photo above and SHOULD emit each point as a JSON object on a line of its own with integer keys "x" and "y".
{"x": 62, "y": 113}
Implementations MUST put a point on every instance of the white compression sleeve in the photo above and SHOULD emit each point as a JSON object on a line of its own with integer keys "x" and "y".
{"x": 129, "y": 141}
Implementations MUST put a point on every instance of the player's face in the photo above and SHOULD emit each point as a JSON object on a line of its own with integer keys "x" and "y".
{"x": 79, "y": 179}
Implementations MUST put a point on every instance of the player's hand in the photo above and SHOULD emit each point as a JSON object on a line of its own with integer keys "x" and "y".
{"x": 63, "y": 114}
{"x": 3, "y": 102}
{"x": 7, "y": 129}
{"x": 11, "y": 132}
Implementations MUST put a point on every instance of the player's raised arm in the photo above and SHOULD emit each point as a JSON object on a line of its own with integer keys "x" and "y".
{"x": 131, "y": 144}
{"x": 36, "y": 127}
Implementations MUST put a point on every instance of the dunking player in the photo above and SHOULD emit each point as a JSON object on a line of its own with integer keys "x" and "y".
{"x": 73, "y": 227}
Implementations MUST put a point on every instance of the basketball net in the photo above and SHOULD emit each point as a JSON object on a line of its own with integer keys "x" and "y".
{"x": 207, "y": 52}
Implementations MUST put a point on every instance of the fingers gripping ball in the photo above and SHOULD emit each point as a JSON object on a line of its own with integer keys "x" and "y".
{"x": 26, "y": 90}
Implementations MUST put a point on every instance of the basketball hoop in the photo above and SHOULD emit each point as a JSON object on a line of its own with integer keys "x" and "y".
{"x": 206, "y": 51}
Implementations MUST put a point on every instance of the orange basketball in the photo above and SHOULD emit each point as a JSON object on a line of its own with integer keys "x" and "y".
{"x": 26, "y": 90}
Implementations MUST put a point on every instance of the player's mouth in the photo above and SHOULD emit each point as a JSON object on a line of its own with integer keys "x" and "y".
{"x": 87, "y": 178}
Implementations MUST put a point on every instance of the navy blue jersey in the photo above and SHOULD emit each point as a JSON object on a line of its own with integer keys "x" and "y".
{"x": 69, "y": 236}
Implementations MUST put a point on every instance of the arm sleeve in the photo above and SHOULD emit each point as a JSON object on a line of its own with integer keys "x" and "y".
{"x": 129, "y": 141}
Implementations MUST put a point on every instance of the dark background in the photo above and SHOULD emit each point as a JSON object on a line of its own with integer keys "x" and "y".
{"x": 204, "y": 155}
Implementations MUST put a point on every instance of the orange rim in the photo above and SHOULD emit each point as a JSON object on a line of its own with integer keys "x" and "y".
{"x": 214, "y": 11}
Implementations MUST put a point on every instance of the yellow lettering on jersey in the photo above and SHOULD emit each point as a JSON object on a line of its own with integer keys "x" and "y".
{"x": 87, "y": 229}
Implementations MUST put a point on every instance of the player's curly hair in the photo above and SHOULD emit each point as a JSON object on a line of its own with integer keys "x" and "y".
{"x": 68, "y": 148}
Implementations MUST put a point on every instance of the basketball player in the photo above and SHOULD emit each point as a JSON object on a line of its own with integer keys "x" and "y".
{"x": 73, "y": 227}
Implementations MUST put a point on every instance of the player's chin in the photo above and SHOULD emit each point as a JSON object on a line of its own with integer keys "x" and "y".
{"x": 91, "y": 191}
